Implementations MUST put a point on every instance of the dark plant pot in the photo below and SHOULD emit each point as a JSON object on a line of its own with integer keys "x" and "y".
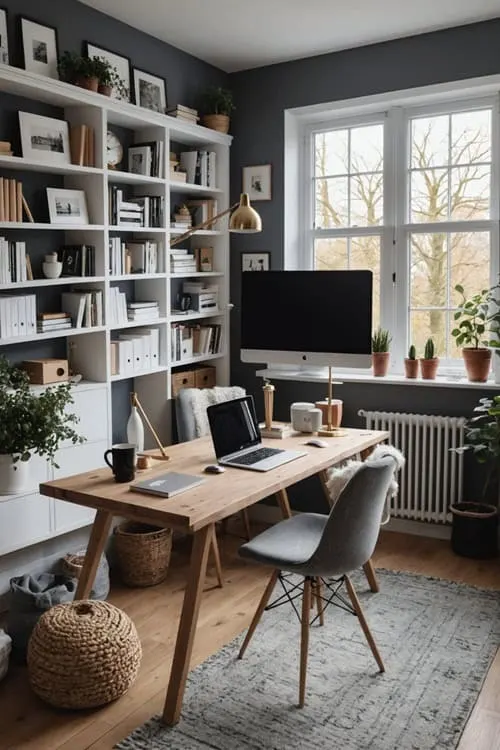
{"x": 428, "y": 368}
{"x": 105, "y": 90}
{"x": 411, "y": 368}
{"x": 474, "y": 530}
{"x": 91, "y": 84}
{"x": 477, "y": 364}
{"x": 380, "y": 363}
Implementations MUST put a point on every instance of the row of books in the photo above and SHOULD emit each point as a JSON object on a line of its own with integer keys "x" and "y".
{"x": 82, "y": 145}
{"x": 77, "y": 260}
{"x": 200, "y": 167}
{"x": 12, "y": 201}
{"x": 84, "y": 306}
{"x": 17, "y": 316}
{"x": 192, "y": 340}
{"x": 122, "y": 312}
{"x": 147, "y": 159}
{"x": 134, "y": 257}
{"x": 136, "y": 211}
{"x": 183, "y": 113}
{"x": 135, "y": 352}
{"x": 15, "y": 265}
{"x": 202, "y": 210}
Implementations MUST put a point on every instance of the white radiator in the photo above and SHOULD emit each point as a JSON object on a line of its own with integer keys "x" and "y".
{"x": 432, "y": 478}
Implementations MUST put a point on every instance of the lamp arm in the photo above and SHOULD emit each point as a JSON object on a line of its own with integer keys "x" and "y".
{"x": 203, "y": 225}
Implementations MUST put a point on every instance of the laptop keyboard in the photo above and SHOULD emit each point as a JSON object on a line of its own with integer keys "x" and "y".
{"x": 258, "y": 455}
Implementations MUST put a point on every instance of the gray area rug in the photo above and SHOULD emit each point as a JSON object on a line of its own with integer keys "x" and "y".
{"x": 437, "y": 640}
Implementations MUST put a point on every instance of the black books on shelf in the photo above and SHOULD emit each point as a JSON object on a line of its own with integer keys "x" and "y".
{"x": 147, "y": 159}
{"x": 136, "y": 211}
{"x": 77, "y": 260}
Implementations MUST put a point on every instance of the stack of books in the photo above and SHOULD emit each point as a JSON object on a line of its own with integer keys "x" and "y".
{"x": 143, "y": 311}
{"x": 182, "y": 219}
{"x": 137, "y": 211}
{"x": 53, "y": 321}
{"x": 175, "y": 174}
{"x": 14, "y": 263}
{"x": 5, "y": 148}
{"x": 77, "y": 260}
{"x": 183, "y": 113}
{"x": 182, "y": 261}
{"x": 82, "y": 145}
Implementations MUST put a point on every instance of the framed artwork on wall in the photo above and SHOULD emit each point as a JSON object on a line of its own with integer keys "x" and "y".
{"x": 257, "y": 182}
{"x": 4, "y": 39}
{"x": 44, "y": 138}
{"x": 122, "y": 65}
{"x": 150, "y": 91}
{"x": 67, "y": 206}
{"x": 256, "y": 261}
{"x": 40, "y": 48}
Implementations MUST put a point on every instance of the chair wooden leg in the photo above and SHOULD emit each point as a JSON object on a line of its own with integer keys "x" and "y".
{"x": 216, "y": 555}
{"x": 366, "y": 630}
{"x": 304, "y": 640}
{"x": 258, "y": 612}
{"x": 371, "y": 576}
{"x": 246, "y": 523}
{"x": 318, "y": 591}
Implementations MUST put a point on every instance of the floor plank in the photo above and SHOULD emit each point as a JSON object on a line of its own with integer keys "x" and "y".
{"x": 28, "y": 724}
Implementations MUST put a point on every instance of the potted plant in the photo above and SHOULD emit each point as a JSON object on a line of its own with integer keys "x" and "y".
{"x": 381, "y": 340}
{"x": 31, "y": 422}
{"x": 79, "y": 70}
{"x": 217, "y": 105}
{"x": 429, "y": 363}
{"x": 477, "y": 318}
{"x": 109, "y": 80}
{"x": 474, "y": 524}
{"x": 411, "y": 364}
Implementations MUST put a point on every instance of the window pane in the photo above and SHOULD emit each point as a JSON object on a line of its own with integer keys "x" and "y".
{"x": 355, "y": 253}
{"x": 470, "y": 193}
{"x": 429, "y": 195}
{"x": 429, "y": 142}
{"x": 331, "y": 153}
{"x": 367, "y": 148}
{"x": 425, "y": 324}
{"x": 331, "y": 209}
{"x": 470, "y": 263}
{"x": 367, "y": 205}
{"x": 471, "y": 137}
{"x": 429, "y": 270}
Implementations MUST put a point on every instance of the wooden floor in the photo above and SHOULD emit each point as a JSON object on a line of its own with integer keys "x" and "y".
{"x": 27, "y": 723}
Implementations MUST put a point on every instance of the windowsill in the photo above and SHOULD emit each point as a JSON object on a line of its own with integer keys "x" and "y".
{"x": 321, "y": 376}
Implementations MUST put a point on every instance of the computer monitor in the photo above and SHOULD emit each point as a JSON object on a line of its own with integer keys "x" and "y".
{"x": 317, "y": 318}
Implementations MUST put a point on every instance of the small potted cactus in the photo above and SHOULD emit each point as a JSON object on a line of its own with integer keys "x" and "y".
{"x": 411, "y": 363}
{"x": 381, "y": 340}
{"x": 429, "y": 363}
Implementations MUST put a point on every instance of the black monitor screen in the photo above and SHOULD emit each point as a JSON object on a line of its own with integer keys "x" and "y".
{"x": 307, "y": 311}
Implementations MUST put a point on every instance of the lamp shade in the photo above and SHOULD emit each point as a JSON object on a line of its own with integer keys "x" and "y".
{"x": 245, "y": 219}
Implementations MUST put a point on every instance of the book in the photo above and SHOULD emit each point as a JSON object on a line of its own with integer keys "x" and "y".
{"x": 167, "y": 485}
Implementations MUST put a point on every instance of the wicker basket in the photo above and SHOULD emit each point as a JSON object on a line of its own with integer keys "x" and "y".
{"x": 143, "y": 553}
{"x": 71, "y": 566}
{"x": 83, "y": 654}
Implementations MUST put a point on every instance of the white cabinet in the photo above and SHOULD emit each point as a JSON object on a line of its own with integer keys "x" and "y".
{"x": 75, "y": 460}
{"x": 24, "y": 520}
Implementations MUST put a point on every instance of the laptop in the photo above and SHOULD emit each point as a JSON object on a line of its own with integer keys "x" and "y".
{"x": 237, "y": 440}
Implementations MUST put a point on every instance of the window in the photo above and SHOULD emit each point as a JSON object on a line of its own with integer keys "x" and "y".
{"x": 409, "y": 194}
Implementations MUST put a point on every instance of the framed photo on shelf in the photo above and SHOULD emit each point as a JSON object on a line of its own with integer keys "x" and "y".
{"x": 139, "y": 160}
{"x": 256, "y": 261}
{"x": 4, "y": 39}
{"x": 40, "y": 48}
{"x": 257, "y": 182}
{"x": 122, "y": 65}
{"x": 150, "y": 91}
{"x": 44, "y": 138}
{"x": 67, "y": 206}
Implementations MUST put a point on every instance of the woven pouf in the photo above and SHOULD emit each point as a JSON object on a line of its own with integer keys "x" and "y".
{"x": 83, "y": 654}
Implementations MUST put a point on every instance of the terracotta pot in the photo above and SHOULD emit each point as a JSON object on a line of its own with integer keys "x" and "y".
{"x": 105, "y": 90}
{"x": 337, "y": 406}
{"x": 411, "y": 368}
{"x": 91, "y": 84}
{"x": 216, "y": 122}
{"x": 477, "y": 364}
{"x": 380, "y": 362}
{"x": 428, "y": 368}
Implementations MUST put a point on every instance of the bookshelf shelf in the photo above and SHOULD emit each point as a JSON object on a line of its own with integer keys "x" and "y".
{"x": 128, "y": 375}
{"x": 19, "y": 163}
{"x": 20, "y": 285}
{"x": 130, "y": 178}
{"x": 197, "y": 359}
{"x": 138, "y": 324}
{"x": 199, "y": 233}
{"x": 137, "y": 276}
{"x": 194, "y": 316}
{"x": 6, "y": 225}
{"x": 197, "y": 275}
{"x": 143, "y": 230}
{"x": 53, "y": 335}
{"x": 186, "y": 187}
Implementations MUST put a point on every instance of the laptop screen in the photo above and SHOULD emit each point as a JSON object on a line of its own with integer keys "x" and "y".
{"x": 233, "y": 425}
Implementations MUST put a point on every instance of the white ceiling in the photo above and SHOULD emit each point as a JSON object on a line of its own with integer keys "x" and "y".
{"x": 240, "y": 34}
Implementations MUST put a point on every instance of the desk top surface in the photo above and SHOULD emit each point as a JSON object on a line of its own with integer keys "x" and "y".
{"x": 219, "y": 495}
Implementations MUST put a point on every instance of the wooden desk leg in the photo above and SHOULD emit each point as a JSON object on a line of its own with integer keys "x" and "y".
{"x": 284, "y": 503}
{"x": 216, "y": 555}
{"x": 187, "y": 625}
{"x": 95, "y": 547}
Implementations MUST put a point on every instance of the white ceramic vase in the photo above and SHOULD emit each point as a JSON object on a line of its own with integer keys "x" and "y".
{"x": 15, "y": 478}
{"x": 135, "y": 430}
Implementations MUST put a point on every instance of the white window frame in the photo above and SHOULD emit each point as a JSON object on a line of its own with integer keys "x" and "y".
{"x": 395, "y": 109}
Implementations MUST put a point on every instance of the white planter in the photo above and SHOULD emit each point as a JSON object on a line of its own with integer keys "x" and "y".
{"x": 15, "y": 478}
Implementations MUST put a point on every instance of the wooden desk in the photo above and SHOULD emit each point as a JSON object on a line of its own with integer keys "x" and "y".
{"x": 197, "y": 510}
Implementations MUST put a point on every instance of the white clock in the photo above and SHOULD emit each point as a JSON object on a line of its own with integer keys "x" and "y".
{"x": 114, "y": 150}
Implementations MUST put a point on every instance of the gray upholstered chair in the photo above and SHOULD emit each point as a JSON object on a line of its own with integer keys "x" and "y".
{"x": 323, "y": 550}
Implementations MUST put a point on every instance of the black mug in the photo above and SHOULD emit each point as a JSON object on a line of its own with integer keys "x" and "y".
{"x": 123, "y": 461}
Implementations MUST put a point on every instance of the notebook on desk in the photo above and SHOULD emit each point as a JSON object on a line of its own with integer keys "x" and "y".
{"x": 167, "y": 485}
{"x": 237, "y": 440}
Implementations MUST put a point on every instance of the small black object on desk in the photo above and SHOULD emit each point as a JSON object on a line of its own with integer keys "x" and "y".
{"x": 214, "y": 469}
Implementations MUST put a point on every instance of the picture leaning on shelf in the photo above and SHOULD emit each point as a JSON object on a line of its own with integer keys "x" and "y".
{"x": 67, "y": 206}
{"x": 147, "y": 159}
{"x": 54, "y": 141}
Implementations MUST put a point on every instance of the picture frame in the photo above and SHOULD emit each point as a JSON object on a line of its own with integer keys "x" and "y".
{"x": 257, "y": 182}
{"x": 67, "y": 206}
{"x": 139, "y": 160}
{"x": 120, "y": 62}
{"x": 44, "y": 138}
{"x": 40, "y": 47}
{"x": 256, "y": 261}
{"x": 4, "y": 37}
{"x": 150, "y": 91}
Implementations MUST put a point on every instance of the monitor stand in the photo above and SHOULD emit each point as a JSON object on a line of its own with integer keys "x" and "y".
{"x": 329, "y": 430}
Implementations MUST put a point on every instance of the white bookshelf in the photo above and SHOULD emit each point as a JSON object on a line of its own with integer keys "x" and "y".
{"x": 90, "y": 347}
